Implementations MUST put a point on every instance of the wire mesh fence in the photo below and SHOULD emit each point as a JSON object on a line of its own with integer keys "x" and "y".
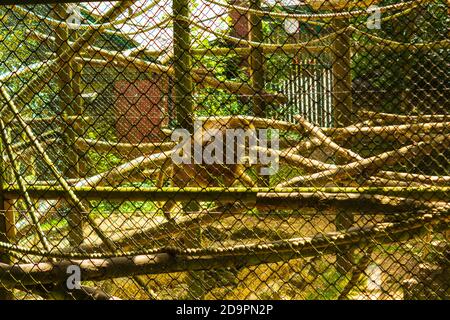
{"x": 213, "y": 149}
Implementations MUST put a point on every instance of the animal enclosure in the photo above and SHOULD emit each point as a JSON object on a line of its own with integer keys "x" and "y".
{"x": 212, "y": 149}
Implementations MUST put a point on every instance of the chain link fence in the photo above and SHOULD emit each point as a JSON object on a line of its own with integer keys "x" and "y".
{"x": 225, "y": 149}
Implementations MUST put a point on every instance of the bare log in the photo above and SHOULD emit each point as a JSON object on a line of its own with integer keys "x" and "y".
{"x": 418, "y": 178}
{"x": 111, "y": 176}
{"x": 167, "y": 230}
{"x": 257, "y": 122}
{"x": 348, "y": 154}
{"x": 372, "y": 164}
{"x": 364, "y": 203}
{"x": 126, "y": 150}
{"x": 405, "y": 132}
{"x": 391, "y": 118}
{"x": 383, "y": 182}
{"x": 179, "y": 260}
{"x": 360, "y": 202}
{"x": 243, "y": 194}
{"x": 315, "y": 131}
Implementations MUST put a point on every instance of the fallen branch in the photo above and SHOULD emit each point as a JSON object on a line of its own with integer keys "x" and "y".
{"x": 168, "y": 260}
{"x": 347, "y": 154}
{"x": 111, "y": 176}
{"x": 26, "y": 144}
{"x": 167, "y": 230}
{"x": 123, "y": 149}
{"x": 405, "y": 132}
{"x": 363, "y": 203}
{"x": 245, "y": 121}
{"x": 390, "y": 118}
{"x": 370, "y": 166}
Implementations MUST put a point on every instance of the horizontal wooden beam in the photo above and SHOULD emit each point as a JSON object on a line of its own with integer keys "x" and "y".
{"x": 169, "y": 260}
{"x": 339, "y": 4}
{"x": 242, "y": 194}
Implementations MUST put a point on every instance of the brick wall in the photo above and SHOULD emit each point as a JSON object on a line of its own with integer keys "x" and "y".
{"x": 141, "y": 109}
{"x": 239, "y": 20}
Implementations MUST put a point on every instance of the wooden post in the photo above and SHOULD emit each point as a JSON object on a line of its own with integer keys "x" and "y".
{"x": 256, "y": 64}
{"x": 407, "y": 28}
{"x": 344, "y": 115}
{"x": 256, "y": 60}
{"x": 68, "y": 108}
{"x": 185, "y": 117}
{"x": 7, "y": 224}
{"x": 77, "y": 111}
{"x": 182, "y": 65}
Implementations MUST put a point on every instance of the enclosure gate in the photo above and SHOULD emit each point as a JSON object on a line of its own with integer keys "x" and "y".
{"x": 147, "y": 154}
{"x": 309, "y": 93}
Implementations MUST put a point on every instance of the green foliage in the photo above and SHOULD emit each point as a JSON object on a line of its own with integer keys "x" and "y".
{"x": 18, "y": 50}
{"x": 394, "y": 72}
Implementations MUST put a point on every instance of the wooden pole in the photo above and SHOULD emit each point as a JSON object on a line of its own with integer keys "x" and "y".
{"x": 256, "y": 63}
{"x": 77, "y": 110}
{"x": 39, "y": 79}
{"x": 182, "y": 65}
{"x": 183, "y": 102}
{"x": 67, "y": 108}
{"x": 344, "y": 115}
{"x": 256, "y": 60}
{"x": 7, "y": 224}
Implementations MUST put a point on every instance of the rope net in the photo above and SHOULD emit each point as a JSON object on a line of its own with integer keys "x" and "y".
{"x": 212, "y": 149}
